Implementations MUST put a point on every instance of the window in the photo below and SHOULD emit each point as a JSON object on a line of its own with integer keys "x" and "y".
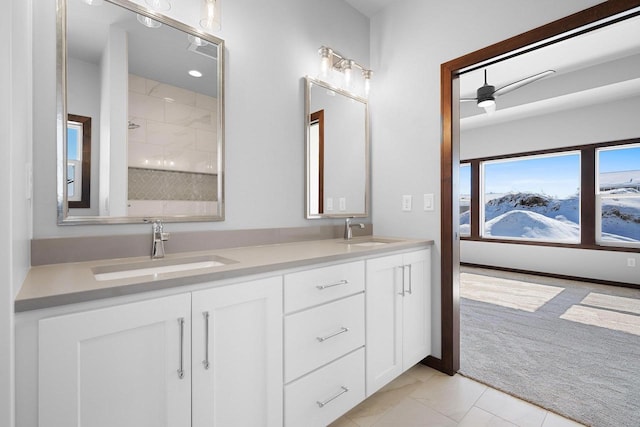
{"x": 618, "y": 195}
{"x": 465, "y": 199}
{"x": 532, "y": 198}
{"x": 78, "y": 161}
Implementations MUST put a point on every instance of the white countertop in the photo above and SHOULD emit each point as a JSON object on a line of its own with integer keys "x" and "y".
{"x": 59, "y": 284}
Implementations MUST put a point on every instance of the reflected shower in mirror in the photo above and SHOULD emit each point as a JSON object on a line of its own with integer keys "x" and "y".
{"x": 150, "y": 92}
{"x": 337, "y": 148}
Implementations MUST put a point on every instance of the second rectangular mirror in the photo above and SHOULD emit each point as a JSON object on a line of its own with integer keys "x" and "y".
{"x": 337, "y": 152}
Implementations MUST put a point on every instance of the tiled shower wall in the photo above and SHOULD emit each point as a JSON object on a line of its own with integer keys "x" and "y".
{"x": 172, "y": 150}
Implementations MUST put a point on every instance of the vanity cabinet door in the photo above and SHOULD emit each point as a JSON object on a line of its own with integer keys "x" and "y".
{"x": 398, "y": 297}
{"x": 125, "y": 366}
{"x": 383, "y": 321}
{"x": 237, "y": 355}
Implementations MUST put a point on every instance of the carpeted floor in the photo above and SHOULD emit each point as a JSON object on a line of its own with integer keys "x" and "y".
{"x": 540, "y": 344}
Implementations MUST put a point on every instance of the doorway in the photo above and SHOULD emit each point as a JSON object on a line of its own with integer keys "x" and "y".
{"x": 578, "y": 23}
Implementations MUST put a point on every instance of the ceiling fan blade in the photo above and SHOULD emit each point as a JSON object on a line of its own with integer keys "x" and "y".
{"x": 468, "y": 99}
{"x": 520, "y": 83}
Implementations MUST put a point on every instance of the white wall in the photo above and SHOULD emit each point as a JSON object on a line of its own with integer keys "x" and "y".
{"x": 409, "y": 41}
{"x": 612, "y": 121}
{"x": 270, "y": 47}
{"x": 15, "y": 137}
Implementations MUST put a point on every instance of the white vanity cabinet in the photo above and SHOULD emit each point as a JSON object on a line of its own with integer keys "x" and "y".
{"x": 324, "y": 342}
{"x": 126, "y": 366}
{"x": 398, "y": 298}
{"x": 208, "y": 358}
{"x": 237, "y": 355}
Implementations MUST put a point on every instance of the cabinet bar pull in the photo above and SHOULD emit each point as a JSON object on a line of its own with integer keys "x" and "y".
{"x": 343, "y": 391}
{"x": 341, "y": 282}
{"x": 205, "y": 362}
{"x": 410, "y": 291}
{"x": 341, "y": 331}
{"x": 402, "y": 282}
{"x": 181, "y": 368}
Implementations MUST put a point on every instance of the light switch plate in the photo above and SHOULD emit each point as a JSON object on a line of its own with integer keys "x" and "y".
{"x": 429, "y": 202}
{"x": 329, "y": 203}
{"x": 406, "y": 202}
{"x": 343, "y": 204}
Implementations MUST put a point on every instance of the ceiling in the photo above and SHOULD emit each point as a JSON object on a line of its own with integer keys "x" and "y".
{"x": 369, "y": 7}
{"x": 599, "y": 66}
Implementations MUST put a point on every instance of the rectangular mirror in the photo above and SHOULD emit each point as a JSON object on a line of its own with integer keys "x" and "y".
{"x": 337, "y": 152}
{"x": 140, "y": 116}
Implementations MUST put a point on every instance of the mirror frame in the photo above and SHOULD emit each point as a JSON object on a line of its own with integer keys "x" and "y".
{"x": 61, "y": 122}
{"x": 570, "y": 26}
{"x": 309, "y": 82}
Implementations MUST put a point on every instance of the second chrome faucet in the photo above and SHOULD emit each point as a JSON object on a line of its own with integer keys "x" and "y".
{"x": 348, "y": 233}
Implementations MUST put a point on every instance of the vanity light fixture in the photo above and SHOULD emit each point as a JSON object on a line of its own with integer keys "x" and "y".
{"x": 159, "y": 5}
{"x": 332, "y": 60}
{"x": 210, "y": 14}
{"x": 148, "y": 22}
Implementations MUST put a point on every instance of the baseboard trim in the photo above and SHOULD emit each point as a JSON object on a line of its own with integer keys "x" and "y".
{"x": 553, "y": 275}
{"x": 435, "y": 363}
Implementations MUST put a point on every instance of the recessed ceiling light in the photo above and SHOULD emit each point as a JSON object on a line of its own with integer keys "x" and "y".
{"x": 195, "y": 73}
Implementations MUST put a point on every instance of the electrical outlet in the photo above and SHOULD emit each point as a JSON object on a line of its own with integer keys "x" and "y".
{"x": 343, "y": 204}
{"x": 631, "y": 262}
{"x": 406, "y": 202}
{"x": 329, "y": 203}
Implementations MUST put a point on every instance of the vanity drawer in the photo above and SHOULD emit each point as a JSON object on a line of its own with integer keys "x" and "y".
{"x": 312, "y": 287}
{"x": 317, "y": 336}
{"x": 323, "y": 396}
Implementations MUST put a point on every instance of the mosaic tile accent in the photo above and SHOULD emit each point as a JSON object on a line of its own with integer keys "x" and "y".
{"x": 152, "y": 184}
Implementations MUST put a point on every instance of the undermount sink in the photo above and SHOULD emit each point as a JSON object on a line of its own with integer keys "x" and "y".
{"x": 159, "y": 266}
{"x": 369, "y": 241}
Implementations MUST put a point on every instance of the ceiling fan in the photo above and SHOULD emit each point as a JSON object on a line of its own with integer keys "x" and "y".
{"x": 486, "y": 94}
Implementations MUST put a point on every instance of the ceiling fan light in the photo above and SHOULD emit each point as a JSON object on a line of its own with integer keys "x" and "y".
{"x": 487, "y": 102}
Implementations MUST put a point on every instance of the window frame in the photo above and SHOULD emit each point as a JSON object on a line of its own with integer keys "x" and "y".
{"x": 588, "y": 204}
{"x": 84, "y": 200}
{"x": 599, "y": 197}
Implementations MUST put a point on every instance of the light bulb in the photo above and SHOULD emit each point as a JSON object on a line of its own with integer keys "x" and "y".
{"x": 148, "y": 22}
{"x": 367, "y": 81}
{"x": 326, "y": 55}
{"x": 208, "y": 18}
{"x": 347, "y": 69}
{"x": 93, "y": 2}
{"x": 161, "y": 5}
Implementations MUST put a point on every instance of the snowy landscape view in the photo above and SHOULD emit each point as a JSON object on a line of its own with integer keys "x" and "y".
{"x": 539, "y": 216}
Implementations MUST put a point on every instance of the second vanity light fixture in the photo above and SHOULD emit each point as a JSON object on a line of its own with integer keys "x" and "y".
{"x": 332, "y": 60}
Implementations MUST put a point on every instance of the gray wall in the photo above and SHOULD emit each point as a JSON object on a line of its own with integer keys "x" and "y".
{"x": 270, "y": 46}
{"x": 409, "y": 41}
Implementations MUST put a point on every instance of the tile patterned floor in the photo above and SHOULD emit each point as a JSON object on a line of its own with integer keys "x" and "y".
{"x": 424, "y": 397}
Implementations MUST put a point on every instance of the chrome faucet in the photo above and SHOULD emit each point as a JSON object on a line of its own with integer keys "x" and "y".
{"x": 348, "y": 233}
{"x": 159, "y": 237}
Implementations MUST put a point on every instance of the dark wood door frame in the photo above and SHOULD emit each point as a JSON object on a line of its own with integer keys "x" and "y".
{"x": 450, "y": 158}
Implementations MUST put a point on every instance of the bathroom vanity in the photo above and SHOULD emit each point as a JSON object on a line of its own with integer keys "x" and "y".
{"x": 290, "y": 334}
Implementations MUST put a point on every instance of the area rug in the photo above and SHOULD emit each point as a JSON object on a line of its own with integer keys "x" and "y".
{"x": 548, "y": 350}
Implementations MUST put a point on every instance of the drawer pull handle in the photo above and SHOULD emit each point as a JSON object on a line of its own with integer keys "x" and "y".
{"x": 181, "y": 355}
{"x": 205, "y": 362}
{"x": 341, "y": 331}
{"x": 341, "y": 282}
{"x": 343, "y": 391}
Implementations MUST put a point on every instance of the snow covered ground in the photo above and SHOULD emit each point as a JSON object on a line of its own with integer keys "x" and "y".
{"x": 541, "y": 217}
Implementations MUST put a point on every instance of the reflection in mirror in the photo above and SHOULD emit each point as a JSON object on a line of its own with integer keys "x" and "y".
{"x": 143, "y": 95}
{"x": 337, "y": 148}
